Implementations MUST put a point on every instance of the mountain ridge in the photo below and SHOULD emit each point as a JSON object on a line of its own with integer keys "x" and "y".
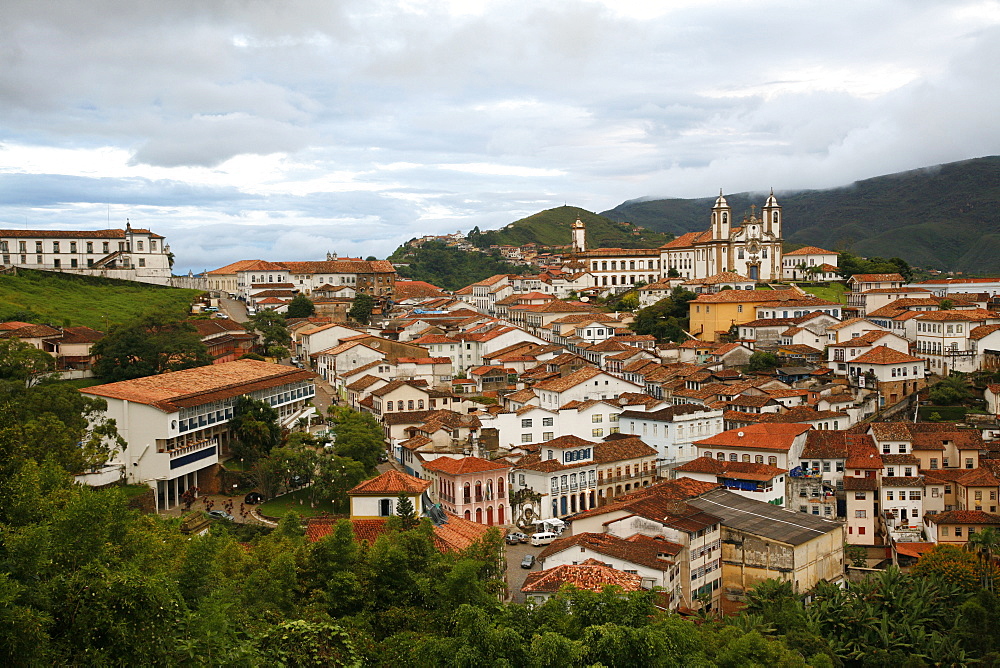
{"x": 939, "y": 217}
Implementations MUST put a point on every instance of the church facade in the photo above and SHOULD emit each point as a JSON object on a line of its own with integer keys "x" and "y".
{"x": 751, "y": 249}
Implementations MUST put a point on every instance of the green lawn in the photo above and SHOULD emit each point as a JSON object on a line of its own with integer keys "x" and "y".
{"x": 277, "y": 507}
{"x": 68, "y": 300}
{"x": 80, "y": 383}
{"x": 834, "y": 292}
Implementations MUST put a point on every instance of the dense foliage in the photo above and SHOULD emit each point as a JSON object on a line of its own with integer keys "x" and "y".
{"x": 361, "y": 309}
{"x": 849, "y": 264}
{"x": 667, "y": 319}
{"x": 300, "y": 307}
{"x": 152, "y": 344}
{"x": 270, "y": 327}
{"x": 451, "y": 268}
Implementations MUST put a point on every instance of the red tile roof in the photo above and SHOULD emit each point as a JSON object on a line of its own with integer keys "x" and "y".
{"x": 463, "y": 465}
{"x": 591, "y": 575}
{"x": 777, "y": 437}
{"x": 391, "y": 482}
{"x": 642, "y": 550}
{"x": 885, "y": 355}
{"x": 735, "y": 470}
{"x": 964, "y": 517}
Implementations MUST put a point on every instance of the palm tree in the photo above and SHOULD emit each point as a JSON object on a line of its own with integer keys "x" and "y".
{"x": 985, "y": 542}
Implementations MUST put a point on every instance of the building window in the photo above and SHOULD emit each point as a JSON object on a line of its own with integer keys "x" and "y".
{"x": 597, "y": 418}
{"x": 547, "y": 422}
{"x": 548, "y": 435}
{"x": 525, "y": 424}
{"x": 596, "y": 432}
{"x": 526, "y": 438}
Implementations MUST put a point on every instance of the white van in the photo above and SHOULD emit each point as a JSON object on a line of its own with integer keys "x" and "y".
{"x": 542, "y": 538}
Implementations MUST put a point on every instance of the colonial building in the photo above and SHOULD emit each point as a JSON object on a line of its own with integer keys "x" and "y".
{"x": 752, "y": 249}
{"x": 132, "y": 254}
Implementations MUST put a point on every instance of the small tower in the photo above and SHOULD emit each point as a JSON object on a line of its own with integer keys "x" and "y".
{"x": 721, "y": 216}
{"x": 579, "y": 234}
{"x": 771, "y": 215}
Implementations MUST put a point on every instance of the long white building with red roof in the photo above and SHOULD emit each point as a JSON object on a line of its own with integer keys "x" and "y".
{"x": 175, "y": 425}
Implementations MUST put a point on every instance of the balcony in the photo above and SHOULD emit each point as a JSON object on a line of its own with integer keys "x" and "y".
{"x": 193, "y": 452}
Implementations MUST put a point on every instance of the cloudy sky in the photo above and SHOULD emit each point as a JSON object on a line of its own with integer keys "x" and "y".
{"x": 281, "y": 130}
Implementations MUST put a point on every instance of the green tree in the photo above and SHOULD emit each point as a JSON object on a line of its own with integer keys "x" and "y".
{"x": 270, "y": 327}
{"x": 359, "y": 436}
{"x": 254, "y": 426}
{"x": 300, "y": 307}
{"x": 950, "y": 391}
{"x": 334, "y": 476}
{"x": 762, "y": 361}
{"x": 361, "y": 309}
{"x": 150, "y": 345}
{"x": 404, "y": 510}
{"x": 23, "y": 362}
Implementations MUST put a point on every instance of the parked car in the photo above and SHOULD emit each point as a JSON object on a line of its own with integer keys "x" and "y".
{"x": 220, "y": 515}
{"x": 528, "y": 561}
{"x": 253, "y": 498}
{"x": 515, "y": 537}
{"x": 542, "y": 538}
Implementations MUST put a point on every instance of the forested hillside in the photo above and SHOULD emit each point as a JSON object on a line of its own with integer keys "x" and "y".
{"x": 945, "y": 217}
{"x": 552, "y": 228}
{"x": 450, "y": 268}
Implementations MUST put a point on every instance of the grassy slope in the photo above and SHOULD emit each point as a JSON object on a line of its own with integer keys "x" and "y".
{"x": 61, "y": 299}
{"x": 552, "y": 228}
{"x": 835, "y": 292}
{"x": 947, "y": 217}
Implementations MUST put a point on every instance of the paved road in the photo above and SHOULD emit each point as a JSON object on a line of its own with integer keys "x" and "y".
{"x": 516, "y": 574}
{"x": 234, "y": 308}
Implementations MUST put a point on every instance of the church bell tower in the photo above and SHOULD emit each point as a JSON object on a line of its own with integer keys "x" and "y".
{"x": 579, "y": 236}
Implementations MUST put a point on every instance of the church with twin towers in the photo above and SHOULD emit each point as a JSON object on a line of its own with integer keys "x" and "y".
{"x": 750, "y": 249}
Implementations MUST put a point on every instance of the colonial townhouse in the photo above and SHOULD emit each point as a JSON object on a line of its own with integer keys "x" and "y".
{"x": 803, "y": 415}
{"x": 849, "y": 329}
{"x": 334, "y": 364}
{"x": 439, "y": 345}
{"x": 433, "y": 370}
{"x": 764, "y": 332}
{"x": 471, "y": 487}
{"x": 796, "y": 306}
{"x": 752, "y": 249}
{"x": 226, "y": 340}
{"x": 902, "y": 506}
{"x": 803, "y": 336}
{"x": 654, "y": 292}
{"x": 726, "y": 280}
{"x": 875, "y": 300}
{"x": 899, "y": 317}
{"x": 936, "y": 445}
{"x": 985, "y": 343}
{"x": 537, "y": 320}
{"x": 313, "y": 338}
{"x": 581, "y": 385}
{"x": 399, "y": 396}
{"x": 969, "y": 489}
{"x": 943, "y": 338}
{"x": 376, "y": 278}
{"x": 759, "y": 482}
{"x": 132, "y": 254}
{"x": 655, "y": 560}
{"x": 520, "y": 298}
{"x": 411, "y": 293}
{"x": 839, "y": 355}
{"x": 664, "y": 512}
{"x": 810, "y": 264}
{"x": 947, "y": 287}
{"x": 420, "y": 437}
{"x": 862, "y": 470}
{"x": 896, "y": 375}
{"x": 487, "y": 292}
{"x": 954, "y": 527}
{"x": 492, "y": 378}
{"x": 592, "y": 419}
{"x": 672, "y": 430}
{"x": 175, "y": 425}
{"x": 862, "y": 283}
{"x": 714, "y": 315}
{"x": 567, "y": 284}
{"x": 72, "y": 349}
{"x": 361, "y": 388}
{"x": 621, "y": 268}
{"x": 571, "y": 475}
{"x": 778, "y": 445}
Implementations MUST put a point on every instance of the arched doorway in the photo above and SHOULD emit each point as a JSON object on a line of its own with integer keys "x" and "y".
{"x": 501, "y": 518}
{"x": 468, "y": 515}
{"x": 489, "y": 516}
{"x": 479, "y": 515}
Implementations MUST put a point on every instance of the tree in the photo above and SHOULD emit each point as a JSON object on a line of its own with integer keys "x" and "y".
{"x": 666, "y": 319}
{"x": 359, "y": 436}
{"x": 269, "y": 325}
{"x": 23, "y": 362}
{"x": 361, "y": 309}
{"x": 954, "y": 565}
{"x": 300, "y": 307}
{"x": 404, "y": 509}
{"x": 255, "y": 428}
{"x": 762, "y": 361}
{"x": 949, "y": 391}
{"x": 150, "y": 345}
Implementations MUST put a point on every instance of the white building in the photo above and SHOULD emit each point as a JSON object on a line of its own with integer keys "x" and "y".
{"x": 176, "y": 424}
{"x": 132, "y": 254}
{"x": 672, "y": 430}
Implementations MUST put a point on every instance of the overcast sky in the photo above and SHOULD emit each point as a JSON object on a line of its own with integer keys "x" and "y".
{"x": 283, "y": 130}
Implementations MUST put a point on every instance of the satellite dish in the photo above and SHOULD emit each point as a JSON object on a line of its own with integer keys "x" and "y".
{"x": 740, "y": 434}
{"x": 585, "y": 299}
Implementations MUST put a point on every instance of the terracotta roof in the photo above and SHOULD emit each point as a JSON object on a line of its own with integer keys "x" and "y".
{"x": 391, "y": 482}
{"x": 662, "y": 500}
{"x": 605, "y": 452}
{"x": 777, "y": 437}
{"x": 966, "y": 316}
{"x": 862, "y": 453}
{"x": 913, "y": 549}
{"x": 735, "y": 470}
{"x": 77, "y": 234}
{"x": 885, "y": 355}
{"x": 902, "y": 481}
{"x": 982, "y": 331}
{"x": 339, "y": 267}
{"x": 876, "y": 278}
{"x": 455, "y": 535}
{"x": 641, "y": 550}
{"x": 591, "y": 575}
{"x": 747, "y": 296}
{"x": 852, "y": 484}
{"x": 172, "y": 391}
{"x": 964, "y": 517}
{"x": 810, "y": 250}
{"x": 979, "y": 477}
{"x": 566, "y": 382}
{"x": 463, "y": 465}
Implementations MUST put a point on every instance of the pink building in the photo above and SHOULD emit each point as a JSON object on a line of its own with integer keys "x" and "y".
{"x": 471, "y": 487}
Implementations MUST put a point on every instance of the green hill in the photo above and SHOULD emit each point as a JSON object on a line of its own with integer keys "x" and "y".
{"x": 945, "y": 217}
{"x": 552, "y": 228}
{"x": 68, "y": 299}
{"x": 450, "y": 268}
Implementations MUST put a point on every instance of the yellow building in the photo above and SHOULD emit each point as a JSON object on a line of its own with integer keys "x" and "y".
{"x": 713, "y": 315}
